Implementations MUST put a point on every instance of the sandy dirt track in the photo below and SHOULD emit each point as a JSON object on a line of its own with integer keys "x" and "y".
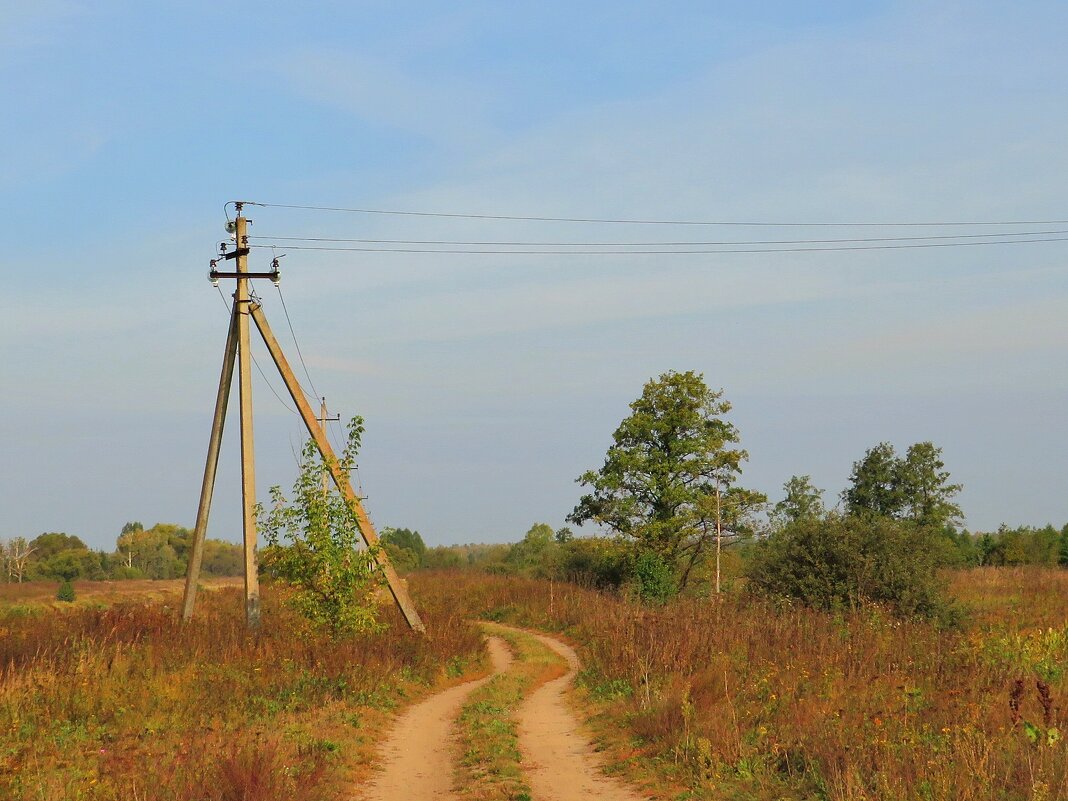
{"x": 559, "y": 761}
{"x": 420, "y": 753}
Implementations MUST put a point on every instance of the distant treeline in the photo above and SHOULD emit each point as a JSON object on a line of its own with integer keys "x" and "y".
{"x": 159, "y": 552}
{"x": 600, "y": 560}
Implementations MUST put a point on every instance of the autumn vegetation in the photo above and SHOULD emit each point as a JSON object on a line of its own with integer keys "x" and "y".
{"x": 734, "y": 696}
{"x": 868, "y": 649}
{"x": 123, "y": 701}
{"x": 738, "y": 697}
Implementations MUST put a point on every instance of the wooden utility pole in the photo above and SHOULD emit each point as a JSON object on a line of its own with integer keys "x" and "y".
{"x": 248, "y": 458}
{"x": 211, "y": 466}
{"x": 719, "y": 532}
{"x": 237, "y": 349}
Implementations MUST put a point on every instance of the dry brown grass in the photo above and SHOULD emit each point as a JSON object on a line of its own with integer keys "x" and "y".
{"x": 106, "y": 591}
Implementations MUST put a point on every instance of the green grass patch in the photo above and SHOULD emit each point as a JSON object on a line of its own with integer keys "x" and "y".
{"x": 491, "y": 763}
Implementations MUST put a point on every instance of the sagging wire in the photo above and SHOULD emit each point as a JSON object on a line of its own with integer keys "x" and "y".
{"x": 649, "y": 244}
{"x": 602, "y": 220}
{"x": 702, "y": 252}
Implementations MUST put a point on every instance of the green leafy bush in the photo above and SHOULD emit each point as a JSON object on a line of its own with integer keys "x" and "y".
{"x": 840, "y": 562}
{"x": 65, "y": 592}
{"x": 314, "y": 546}
{"x": 653, "y": 578}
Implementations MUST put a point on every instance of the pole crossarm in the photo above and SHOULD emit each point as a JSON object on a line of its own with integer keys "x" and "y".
{"x": 341, "y": 479}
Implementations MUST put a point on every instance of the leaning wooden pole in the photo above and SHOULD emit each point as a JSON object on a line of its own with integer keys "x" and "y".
{"x": 341, "y": 478}
{"x": 211, "y": 466}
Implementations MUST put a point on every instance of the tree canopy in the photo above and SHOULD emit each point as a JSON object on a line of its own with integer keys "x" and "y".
{"x": 405, "y": 547}
{"x": 915, "y": 488}
{"x": 666, "y": 484}
{"x": 840, "y": 562}
{"x": 802, "y": 502}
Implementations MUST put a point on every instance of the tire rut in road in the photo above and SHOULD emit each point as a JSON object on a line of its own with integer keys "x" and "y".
{"x": 558, "y": 758}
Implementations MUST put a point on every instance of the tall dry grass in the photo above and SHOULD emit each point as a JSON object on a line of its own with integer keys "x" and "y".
{"x": 125, "y": 702}
{"x": 737, "y": 698}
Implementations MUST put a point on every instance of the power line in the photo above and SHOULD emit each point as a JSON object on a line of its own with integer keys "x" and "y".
{"x": 612, "y": 221}
{"x": 469, "y": 252}
{"x": 659, "y": 244}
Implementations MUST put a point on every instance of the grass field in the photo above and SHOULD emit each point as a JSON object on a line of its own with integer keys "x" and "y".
{"x": 713, "y": 699}
{"x": 108, "y": 591}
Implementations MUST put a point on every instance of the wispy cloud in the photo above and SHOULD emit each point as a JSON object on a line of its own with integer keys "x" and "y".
{"x": 437, "y": 108}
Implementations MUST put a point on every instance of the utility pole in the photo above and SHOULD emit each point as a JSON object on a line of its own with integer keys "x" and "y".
{"x": 211, "y": 466}
{"x": 719, "y": 532}
{"x": 248, "y": 459}
{"x": 237, "y": 350}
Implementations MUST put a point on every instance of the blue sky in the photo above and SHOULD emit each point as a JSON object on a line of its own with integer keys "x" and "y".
{"x": 489, "y": 383}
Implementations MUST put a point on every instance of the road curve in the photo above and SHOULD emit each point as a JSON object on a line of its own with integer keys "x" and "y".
{"x": 558, "y": 759}
{"x": 420, "y": 753}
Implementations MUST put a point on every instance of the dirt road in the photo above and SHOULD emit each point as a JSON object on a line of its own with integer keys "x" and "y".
{"x": 559, "y": 760}
{"x": 419, "y": 755}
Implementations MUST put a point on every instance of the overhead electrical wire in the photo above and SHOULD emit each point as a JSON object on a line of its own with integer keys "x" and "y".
{"x": 680, "y": 243}
{"x": 528, "y": 252}
{"x": 621, "y": 221}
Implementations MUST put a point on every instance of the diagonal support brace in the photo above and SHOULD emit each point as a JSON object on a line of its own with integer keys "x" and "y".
{"x": 341, "y": 479}
{"x": 211, "y": 466}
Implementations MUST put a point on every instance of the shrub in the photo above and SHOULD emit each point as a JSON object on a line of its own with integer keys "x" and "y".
{"x": 594, "y": 562}
{"x": 838, "y": 562}
{"x": 333, "y": 580}
{"x": 65, "y": 592}
{"x": 653, "y": 578}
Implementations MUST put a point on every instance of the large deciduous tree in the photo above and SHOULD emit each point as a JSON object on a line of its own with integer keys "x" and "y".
{"x": 667, "y": 483}
{"x": 155, "y": 553}
{"x": 925, "y": 488}
{"x": 914, "y": 488}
